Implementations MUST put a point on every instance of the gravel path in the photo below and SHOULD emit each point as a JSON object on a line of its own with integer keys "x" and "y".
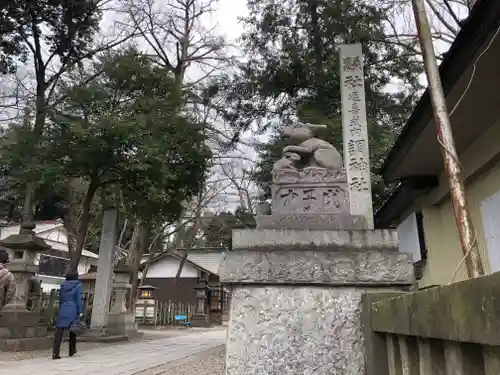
{"x": 210, "y": 362}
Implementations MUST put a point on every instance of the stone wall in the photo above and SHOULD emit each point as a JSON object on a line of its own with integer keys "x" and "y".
{"x": 453, "y": 329}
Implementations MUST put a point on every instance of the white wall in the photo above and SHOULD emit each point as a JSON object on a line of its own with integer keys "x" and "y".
{"x": 490, "y": 216}
{"x": 52, "y": 232}
{"x": 408, "y": 237}
{"x": 167, "y": 268}
{"x": 50, "y": 282}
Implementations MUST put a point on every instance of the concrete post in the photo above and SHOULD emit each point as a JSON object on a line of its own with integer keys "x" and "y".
{"x": 104, "y": 278}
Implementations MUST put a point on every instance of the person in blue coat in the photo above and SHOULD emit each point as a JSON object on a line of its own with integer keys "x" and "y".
{"x": 70, "y": 308}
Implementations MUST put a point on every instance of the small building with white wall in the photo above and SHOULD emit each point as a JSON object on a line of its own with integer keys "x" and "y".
{"x": 162, "y": 270}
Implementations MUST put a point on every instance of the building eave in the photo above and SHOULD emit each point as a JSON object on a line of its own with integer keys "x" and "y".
{"x": 402, "y": 198}
{"x": 482, "y": 21}
{"x": 176, "y": 256}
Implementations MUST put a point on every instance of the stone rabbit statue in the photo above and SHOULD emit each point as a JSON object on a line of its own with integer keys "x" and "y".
{"x": 306, "y": 150}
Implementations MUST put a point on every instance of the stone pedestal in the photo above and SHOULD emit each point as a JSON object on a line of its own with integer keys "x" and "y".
{"x": 298, "y": 280}
{"x": 21, "y": 329}
{"x": 296, "y": 297}
{"x": 201, "y": 317}
{"x": 120, "y": 320}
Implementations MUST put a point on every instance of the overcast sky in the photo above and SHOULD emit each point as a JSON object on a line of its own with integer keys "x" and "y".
{"x": 227, "y": 16}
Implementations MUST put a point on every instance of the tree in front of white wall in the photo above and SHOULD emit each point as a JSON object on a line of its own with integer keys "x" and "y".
{"x": 197, "y": 213}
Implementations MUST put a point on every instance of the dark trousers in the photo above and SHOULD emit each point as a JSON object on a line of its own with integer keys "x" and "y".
{"x": 58, "y": 340}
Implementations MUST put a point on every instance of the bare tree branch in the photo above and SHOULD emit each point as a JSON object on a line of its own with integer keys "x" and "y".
{"x": 174, "y": 30}
{"x": 444, "y": 17}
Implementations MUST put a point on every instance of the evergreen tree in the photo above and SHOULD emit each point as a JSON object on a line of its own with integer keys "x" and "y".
{"x": 122, "y": 133}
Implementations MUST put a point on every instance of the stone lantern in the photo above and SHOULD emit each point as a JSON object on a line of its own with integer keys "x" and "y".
{"x": 120, "y": 320}
{"x": 145, "y": 307}
{"x": 215, "y": 300}
{"x": 20, "y": 329}
{"x": 201, "y": 316}
{"x": 88, "y": 282}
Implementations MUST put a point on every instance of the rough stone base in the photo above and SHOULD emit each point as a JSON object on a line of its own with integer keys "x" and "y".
{"x": 318, "y": 240}
{"x": 103, "y": 335}
{"x": 111, "y": 339}
{"x": 317, "y": 267}
{"x": 316, "y": 221}
{"x": 200, "y": 320}
{"x": 299, "y": 330}
{"x": 20, "y": 324}
{"x": 121, "y": 324}
{"x": 297, "y": 298}
{"x": 216, "y": 318}
{"x": 26, "y": 344}
{"x": 21, "y": 330}
{"x": 95, "y": 332}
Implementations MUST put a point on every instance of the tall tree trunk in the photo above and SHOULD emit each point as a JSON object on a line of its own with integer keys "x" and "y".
{"x": 146, "y": 267}
{"x": 151, "y": 253}
{"x": 317, "y": 43}
{"x": 181, "y": 265}
{"x": 27, "y": 217}
{"x": 122, "y": 233}
{"x": 178, "y": 274}
{"x": 82, "y": 226}
{"x": 131, "y": 251}
{"x": 27, "y": 222}
{"x": 191, "y": 238}
{"x": 139, "y": 245}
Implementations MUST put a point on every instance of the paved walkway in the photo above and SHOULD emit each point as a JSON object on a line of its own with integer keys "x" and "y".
{"x": 124, "y": 359}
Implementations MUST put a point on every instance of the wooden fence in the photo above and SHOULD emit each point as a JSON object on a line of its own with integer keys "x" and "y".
{"x": 447, "y": 330}
{"x": 161, "y": 313}
{"x": 148, "y": 312}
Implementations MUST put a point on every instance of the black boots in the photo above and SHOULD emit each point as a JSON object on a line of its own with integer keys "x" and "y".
{"x": 57, "y": 344}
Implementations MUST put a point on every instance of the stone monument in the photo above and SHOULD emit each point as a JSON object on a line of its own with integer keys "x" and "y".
{"x": 20, "y": 328}
{"x": 355, "y": 131}
{"x": 297, "y": 279}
